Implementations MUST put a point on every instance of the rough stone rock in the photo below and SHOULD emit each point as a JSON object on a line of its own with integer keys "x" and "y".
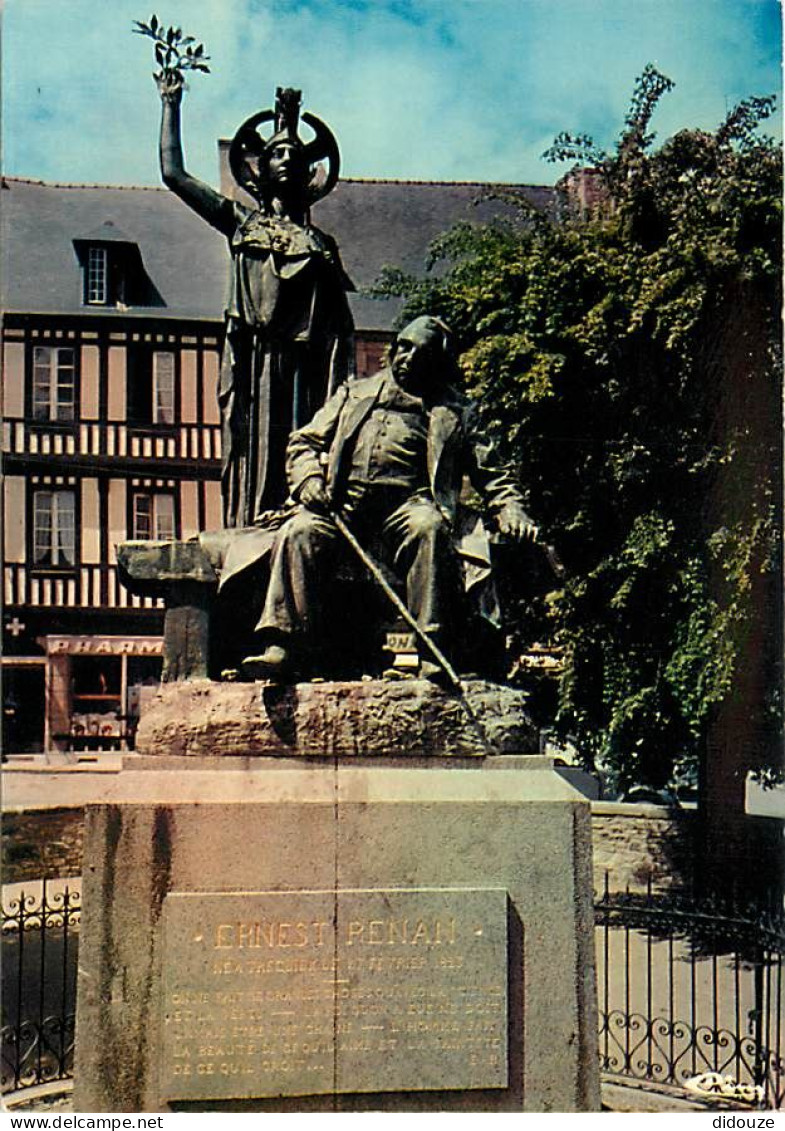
{"x": 148, "y": 568}
{"x": 201, "y": 718}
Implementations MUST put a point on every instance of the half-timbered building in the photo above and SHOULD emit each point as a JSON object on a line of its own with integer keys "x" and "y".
{"x": 111, "y": 334}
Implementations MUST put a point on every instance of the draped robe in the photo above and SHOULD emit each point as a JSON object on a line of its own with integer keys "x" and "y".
{"x": 288, "y": 346}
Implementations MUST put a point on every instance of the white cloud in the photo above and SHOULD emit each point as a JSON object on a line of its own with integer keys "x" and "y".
{"x": 473, "y": 89}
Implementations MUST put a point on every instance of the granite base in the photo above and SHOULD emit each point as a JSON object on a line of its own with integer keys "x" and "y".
{"x": 324, "y": 936}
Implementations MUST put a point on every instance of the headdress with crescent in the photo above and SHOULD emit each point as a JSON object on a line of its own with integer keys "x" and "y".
{"x": 249, "y": 146}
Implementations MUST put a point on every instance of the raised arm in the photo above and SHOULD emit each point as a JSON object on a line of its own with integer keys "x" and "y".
{"x": 209, "y": 204}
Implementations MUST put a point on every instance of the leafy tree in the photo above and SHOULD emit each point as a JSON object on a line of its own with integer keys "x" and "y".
{"x": 625, "y": 350}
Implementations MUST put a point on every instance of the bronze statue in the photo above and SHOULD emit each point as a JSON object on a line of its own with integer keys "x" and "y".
{"x": 289, "y": 331}
{"x": 388, "y": 454}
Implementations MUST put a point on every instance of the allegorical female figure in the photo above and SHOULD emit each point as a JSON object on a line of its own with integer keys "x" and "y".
{"x": 289, "y": 330}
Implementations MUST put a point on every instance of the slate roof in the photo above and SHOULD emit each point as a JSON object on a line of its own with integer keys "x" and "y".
{"x": 378, "y": 223}
{"x": 184, "y": 257}
{"x": 374, "y": 222}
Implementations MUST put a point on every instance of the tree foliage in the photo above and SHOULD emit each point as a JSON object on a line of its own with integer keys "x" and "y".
{"x": 625, "y": 350}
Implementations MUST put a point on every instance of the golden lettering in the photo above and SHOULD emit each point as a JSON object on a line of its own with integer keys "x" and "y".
{"x": 220, "y": 935}
{"x": 292, "y": 934}
{"x": 398, "y": 931}
{"x": 375, "y": 928}
{"x": 246, "y": 934}
{"x": 268, "y": 933}
{"x": 420, "y": 934}
{"x": 356, "y": 930}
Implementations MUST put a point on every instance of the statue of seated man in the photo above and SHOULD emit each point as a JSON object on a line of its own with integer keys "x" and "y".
{"x": 389, "y": 453}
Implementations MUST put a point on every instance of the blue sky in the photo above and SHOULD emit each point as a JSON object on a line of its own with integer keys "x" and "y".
{"x": 414, "y": 89}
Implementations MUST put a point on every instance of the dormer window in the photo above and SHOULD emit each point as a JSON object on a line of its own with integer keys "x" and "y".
{"x": 113, "y": 274}
{"x": 97, "y": 277}
{"x": 104, "y": 271}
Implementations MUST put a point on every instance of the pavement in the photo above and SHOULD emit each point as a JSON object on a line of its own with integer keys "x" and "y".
{"x": 58, "y": 1097}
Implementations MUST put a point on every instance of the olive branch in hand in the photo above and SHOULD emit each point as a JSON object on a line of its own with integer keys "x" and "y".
{"x": 175, "y": 53}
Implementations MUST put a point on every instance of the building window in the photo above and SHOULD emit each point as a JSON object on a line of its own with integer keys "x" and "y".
{"x": 54, "y": 529}
{"x": 151, "y": 388}
{"x": 97, "y": 277}
{"x": 54, "y": 383}
{"x": 113, "y": 273}
{"x": 163, "y": 387}
{"x": 154, "y": 517}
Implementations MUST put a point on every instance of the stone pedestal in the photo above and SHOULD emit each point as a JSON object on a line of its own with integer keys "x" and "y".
{"x": 335, "y": 934}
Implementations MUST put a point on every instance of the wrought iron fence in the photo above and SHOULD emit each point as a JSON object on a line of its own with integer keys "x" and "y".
{"x": 687, "y": 989}
{"x": 683, "y": 989}
{"x": 40, "y": 934}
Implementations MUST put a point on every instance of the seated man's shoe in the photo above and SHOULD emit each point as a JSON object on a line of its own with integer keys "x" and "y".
{"x": 274, "y": 663}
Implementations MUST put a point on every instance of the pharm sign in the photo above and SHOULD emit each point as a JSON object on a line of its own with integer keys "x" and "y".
{"x": 104, "y": 645}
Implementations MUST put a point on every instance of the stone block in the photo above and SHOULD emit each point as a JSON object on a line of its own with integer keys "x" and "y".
{"x": 473, "y": 881}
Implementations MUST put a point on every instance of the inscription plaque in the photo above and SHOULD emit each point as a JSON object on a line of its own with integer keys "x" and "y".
{"x": 305, "y": 993}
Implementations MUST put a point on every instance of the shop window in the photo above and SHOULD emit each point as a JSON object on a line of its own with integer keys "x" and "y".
{"x": 54, "y": 529}
{"x": 153, "y": 516}
{"x": 54, "y": 383}
{"x": 151, "y": 387}
{"x": 96, "y": 699}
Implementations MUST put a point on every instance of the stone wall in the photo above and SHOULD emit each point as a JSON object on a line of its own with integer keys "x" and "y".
{"x": 42, "y": 843}
{"x": 631, "y": 842}
{"x": 635, "y": 843}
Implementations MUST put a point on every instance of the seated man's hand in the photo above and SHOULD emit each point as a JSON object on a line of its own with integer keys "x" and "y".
{"x": 313, "y": 495}
{"x": 514, "y": 522}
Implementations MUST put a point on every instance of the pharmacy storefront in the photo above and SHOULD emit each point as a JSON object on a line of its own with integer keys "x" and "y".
{"x": 94, "y": 686}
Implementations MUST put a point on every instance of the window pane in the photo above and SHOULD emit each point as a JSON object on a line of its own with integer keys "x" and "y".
{"x": 54, "y": 528}
{"x": 96, "y": 276}
{"x": 164, "y": 517}
{"x": 66, "y": 528}
{"x": 42, "y": 382}
{"x": 54, "y": 383}
{"x": 163, "y": 388}
{"x": 65, "y": 384}
{"x": 42, "y": 528}
{"x": 143, "y": 516}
